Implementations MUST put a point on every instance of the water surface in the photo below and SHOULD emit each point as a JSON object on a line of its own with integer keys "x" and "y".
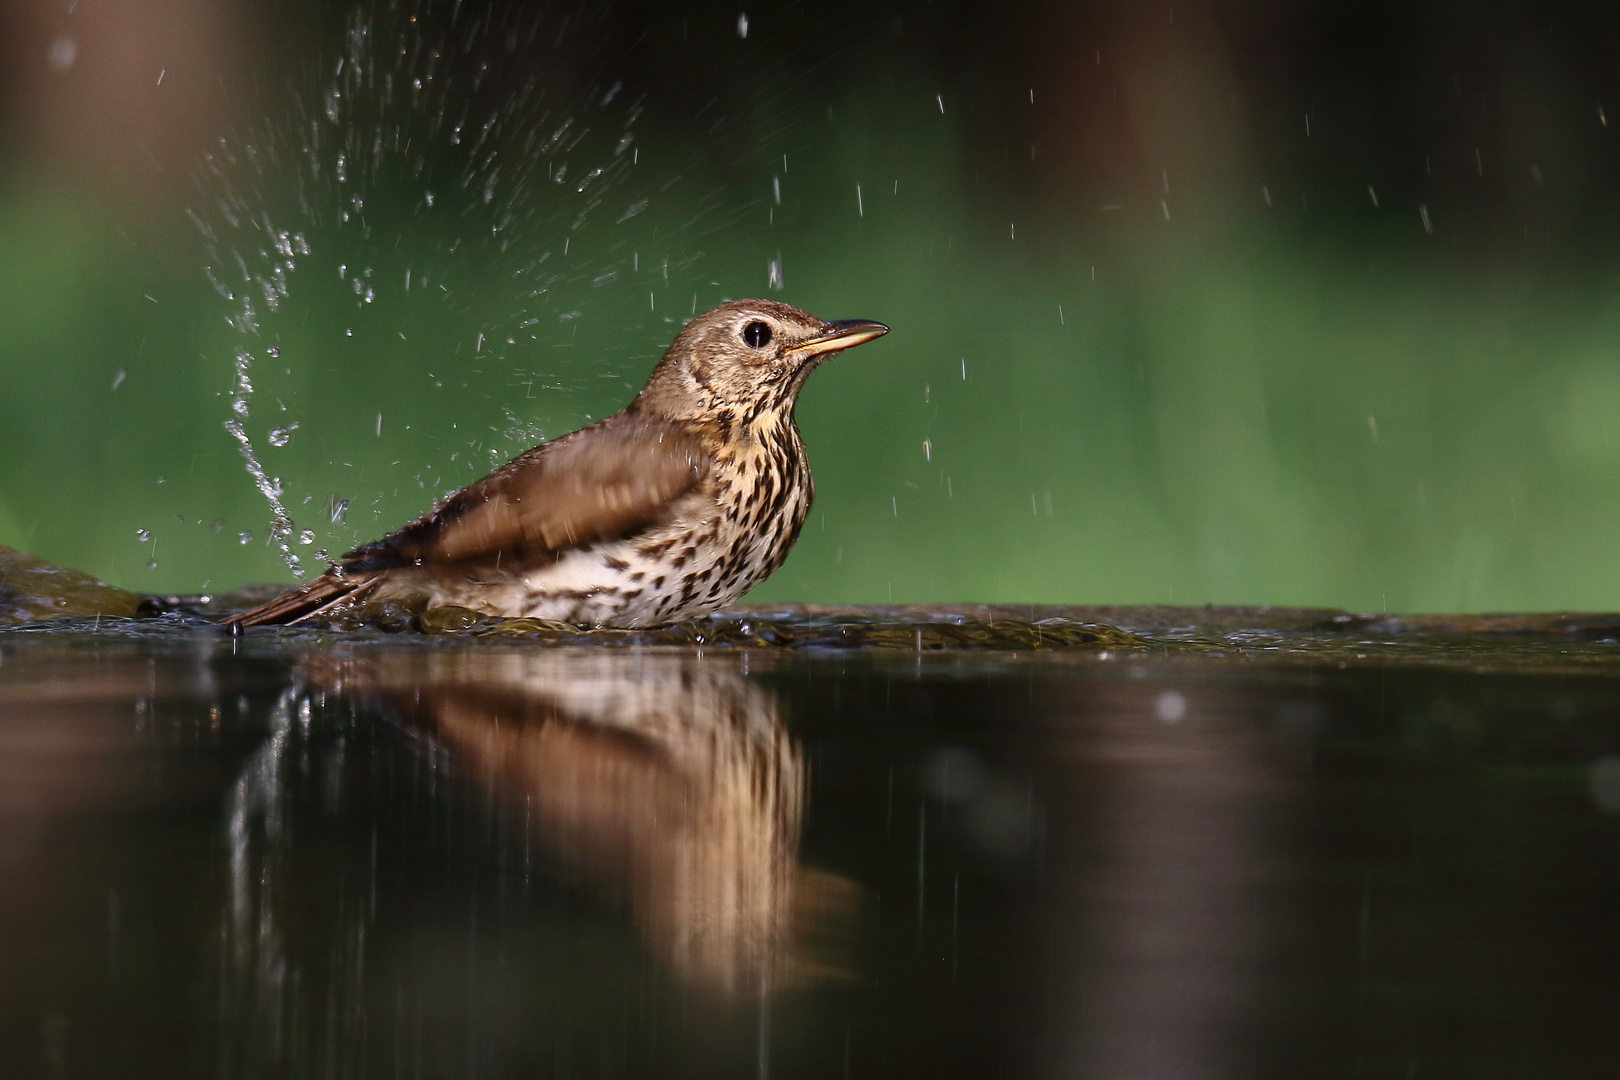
{"x": 1233, "y": 844}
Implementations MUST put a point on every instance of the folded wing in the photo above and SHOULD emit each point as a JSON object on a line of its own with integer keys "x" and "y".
{"x": 598, "y": 483}
{"x": 595, "y": 484}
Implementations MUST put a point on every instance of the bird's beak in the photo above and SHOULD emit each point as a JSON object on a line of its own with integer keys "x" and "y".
{"x": 841, "y": 334}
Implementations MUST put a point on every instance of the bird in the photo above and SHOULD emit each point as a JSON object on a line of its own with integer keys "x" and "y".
{"x": 665, "y": 511}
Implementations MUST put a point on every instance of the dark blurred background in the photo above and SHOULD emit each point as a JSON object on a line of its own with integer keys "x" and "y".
{"x": 1297, "y": 303}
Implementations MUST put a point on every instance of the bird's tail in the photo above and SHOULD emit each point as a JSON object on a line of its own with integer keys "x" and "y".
{"x": 304, "y": 601}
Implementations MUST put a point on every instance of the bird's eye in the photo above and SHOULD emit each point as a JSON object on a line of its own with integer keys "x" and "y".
{"x": 757, "y": 335}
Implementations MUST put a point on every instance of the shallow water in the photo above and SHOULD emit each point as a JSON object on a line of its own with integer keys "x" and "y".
{"x": 1217, "y": 843}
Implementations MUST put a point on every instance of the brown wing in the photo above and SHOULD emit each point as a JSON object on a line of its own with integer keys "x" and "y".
{"x": 304, "y": 601}
{"x": 596, "y": 483}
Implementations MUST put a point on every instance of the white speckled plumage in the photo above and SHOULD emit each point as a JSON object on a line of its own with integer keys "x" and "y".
{"x": 626, "y": 581}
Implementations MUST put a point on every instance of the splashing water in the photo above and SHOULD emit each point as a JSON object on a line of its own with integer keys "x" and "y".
{"x": 273, "y": 287}
{"x": 281, "y": 522}
{"x": 410, "y": 146}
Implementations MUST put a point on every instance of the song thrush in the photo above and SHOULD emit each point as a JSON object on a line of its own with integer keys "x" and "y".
{"x": 667, "y": 510}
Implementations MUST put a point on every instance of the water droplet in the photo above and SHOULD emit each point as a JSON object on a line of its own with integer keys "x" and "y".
{"x": 219, "y": 524}
{"x": 152, "y": 565}
{"x": 244, "y": 538}
{"x": 142, "y": 535}
{"x": 1604, "y": 783}
{"x": 281, "y": 436}
{"x": 1170, "y": 706}
{"x": 63, "y": 52}
{"x": 307, "y": 536}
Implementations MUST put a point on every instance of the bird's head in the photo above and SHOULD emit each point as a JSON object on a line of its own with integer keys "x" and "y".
{"x": 746, "y": 354}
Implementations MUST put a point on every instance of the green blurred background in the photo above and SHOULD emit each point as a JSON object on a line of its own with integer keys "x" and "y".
{"x": 1291, "y": 303}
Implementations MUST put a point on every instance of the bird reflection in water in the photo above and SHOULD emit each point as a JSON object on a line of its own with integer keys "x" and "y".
{"x": 665, "y": 784}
